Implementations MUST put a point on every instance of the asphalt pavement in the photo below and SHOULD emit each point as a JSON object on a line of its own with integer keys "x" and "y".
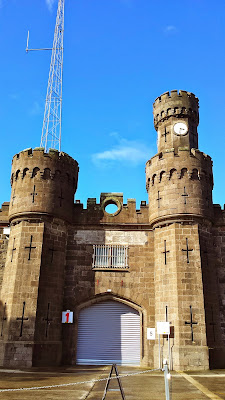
{"x": 140, "y": 385}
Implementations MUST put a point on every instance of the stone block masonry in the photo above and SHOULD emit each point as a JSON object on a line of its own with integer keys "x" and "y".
{"x": 3, "y": 252}
{"x": 4, "y": 223}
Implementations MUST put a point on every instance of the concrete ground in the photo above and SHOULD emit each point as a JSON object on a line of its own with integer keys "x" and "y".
{"x": 148, "y": 386}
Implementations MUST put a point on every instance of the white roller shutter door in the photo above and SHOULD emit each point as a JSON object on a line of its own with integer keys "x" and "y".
{"x": 108, "y": 332}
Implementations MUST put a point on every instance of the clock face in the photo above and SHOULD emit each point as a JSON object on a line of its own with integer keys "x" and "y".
{"x": 180, "y": 128}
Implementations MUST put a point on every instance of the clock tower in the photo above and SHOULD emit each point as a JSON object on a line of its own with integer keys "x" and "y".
{"x": 179, "y": 184}
{"x": 176, "y": 119}
{"x": 179, "y": 177}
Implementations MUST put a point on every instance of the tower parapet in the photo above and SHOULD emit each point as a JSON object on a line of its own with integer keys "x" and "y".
{"x": 178, "y": 103}
{"x": 179, "y": 185}
{"x": 172, "y": 108}
{"x": 43, "y": 183}
{"x": 179, "y": 178}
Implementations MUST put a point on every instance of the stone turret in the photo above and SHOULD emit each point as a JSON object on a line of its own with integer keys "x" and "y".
{"x": 179, "y": 178}
{"x": 43, "y": 183}
{"x": 170, "y": 109}
{"x": 41, "y": 208}
{"x": 179, "y": 183}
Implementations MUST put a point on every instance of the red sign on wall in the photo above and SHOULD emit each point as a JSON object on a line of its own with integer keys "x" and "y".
{"x": 67, "y": 317}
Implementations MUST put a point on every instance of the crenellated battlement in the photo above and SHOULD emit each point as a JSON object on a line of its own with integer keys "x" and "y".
{"x": 96, "y": 212}
{"x": 37, "y": 152}
{"x": 43, "y": 183}
{"x": 4, "y": 212}
{"x": 179, "y": 182}
{"x": 182, "y": 158}
{"x": 92, "y": 202}
{"x": 219, "y": 214}
{"x": 177, "y": 104}
{"x": 170, "y": 165}
{"x": 219, "y": 207}
{"x": 36, "y": 163}
{"x": 173, "y": 94}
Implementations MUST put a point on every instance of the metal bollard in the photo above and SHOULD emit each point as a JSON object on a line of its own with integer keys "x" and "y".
{"x": 166, "y": 379}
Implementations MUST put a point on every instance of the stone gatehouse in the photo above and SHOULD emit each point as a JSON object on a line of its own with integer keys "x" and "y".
{"x": 118, "y": 273}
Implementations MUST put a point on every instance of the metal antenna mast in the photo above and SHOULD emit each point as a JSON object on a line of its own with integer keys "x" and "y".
{"x": 52, "y": 122}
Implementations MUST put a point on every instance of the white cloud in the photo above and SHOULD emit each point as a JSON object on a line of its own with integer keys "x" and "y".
{"x": 36, "y": 109}
{"x": 132, "y": 151}
{"x": 170, "y": 29}
{"x": 13, "y": 96}
{"x": 49, "y": 4}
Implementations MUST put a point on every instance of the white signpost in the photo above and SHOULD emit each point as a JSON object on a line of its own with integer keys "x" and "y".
{"x": 163, "y": 328}
{"x": 67, "y": 317}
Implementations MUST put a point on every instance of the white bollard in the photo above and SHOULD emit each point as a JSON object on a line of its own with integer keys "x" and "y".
{"x": 166, "y": 379}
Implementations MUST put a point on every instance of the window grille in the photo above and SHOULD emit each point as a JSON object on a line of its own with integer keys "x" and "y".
{"x": 107, "y": 256}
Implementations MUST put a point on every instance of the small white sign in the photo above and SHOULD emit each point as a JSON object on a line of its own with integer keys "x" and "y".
{"x": 151, "y": 333}
{"x": 163, "y": 328}
{"x": 67, "y": 317}
{"x": 6, "y": 231}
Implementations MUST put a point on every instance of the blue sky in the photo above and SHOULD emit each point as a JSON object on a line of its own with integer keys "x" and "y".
{"x": 119, "y": 56}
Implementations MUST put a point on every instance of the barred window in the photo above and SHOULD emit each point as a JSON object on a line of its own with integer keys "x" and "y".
{"x": 107, "y": 256}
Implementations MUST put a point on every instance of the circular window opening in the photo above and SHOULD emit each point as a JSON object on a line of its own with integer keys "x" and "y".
{"x": 111, "y": 208}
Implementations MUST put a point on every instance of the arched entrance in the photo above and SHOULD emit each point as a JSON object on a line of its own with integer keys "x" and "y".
{"x": 108, "y": 332}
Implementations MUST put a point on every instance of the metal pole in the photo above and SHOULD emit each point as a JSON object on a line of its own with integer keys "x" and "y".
{"x": 159, "y": 353}
{"x": 169, "y": 349}
{"x": 166, "y": 379}
{"x": 28, "y": 34}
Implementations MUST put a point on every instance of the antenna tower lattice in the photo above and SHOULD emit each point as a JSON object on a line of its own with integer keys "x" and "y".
{"x": 52, "y": 125}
